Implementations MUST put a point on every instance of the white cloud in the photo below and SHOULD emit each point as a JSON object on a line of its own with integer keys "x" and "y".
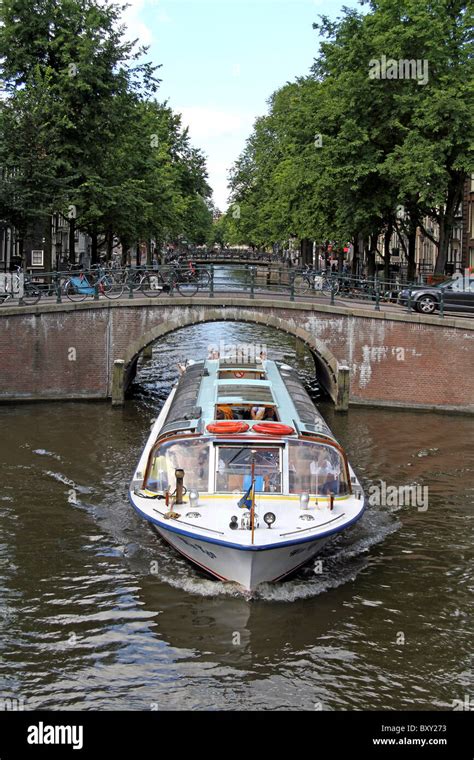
{"x": 221, "y": 134}
{"x": 139, "y": 29}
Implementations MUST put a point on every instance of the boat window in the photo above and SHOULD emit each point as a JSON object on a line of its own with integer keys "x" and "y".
{"x": 240, "y": 374}
{"x": 234, "y": 468}
{"x": 316, "y": 469}
{"x": 191, "y": 456}
{"x": 245, "y": 412}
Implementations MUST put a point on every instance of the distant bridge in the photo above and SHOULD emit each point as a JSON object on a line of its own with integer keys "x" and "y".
{"x": 90, "y": 350}
{"x": 240, "y": 260}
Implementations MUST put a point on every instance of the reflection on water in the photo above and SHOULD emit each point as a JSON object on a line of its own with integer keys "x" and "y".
{"x": 96, "y": 612}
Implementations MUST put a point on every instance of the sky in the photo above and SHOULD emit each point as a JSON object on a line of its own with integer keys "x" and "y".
{"x": 220, "y": 62}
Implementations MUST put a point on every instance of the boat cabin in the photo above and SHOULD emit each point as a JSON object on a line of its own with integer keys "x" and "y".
{"x": 223, "y": 415}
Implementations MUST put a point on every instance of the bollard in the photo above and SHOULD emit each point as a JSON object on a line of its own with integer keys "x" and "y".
{"x": 343, "y": 388}
{"x": 441, "y": 304}
{"x": 333, "y": 291}
{"x": 211, "y": 283}
{"x": 96, "y": 291}
{"x": 118, "y": 389}
{"x": 130, "y": 285}
{"x": 409, "y": 300}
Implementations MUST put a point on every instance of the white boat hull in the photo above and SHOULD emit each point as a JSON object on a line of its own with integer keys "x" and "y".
{"x": 246, "y": 567}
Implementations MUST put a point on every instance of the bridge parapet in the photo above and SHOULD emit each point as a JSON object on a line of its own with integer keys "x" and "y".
{"x": 68, "y": 351}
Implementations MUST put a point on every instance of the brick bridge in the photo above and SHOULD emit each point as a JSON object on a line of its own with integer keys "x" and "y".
{"x": 90, "y": 350}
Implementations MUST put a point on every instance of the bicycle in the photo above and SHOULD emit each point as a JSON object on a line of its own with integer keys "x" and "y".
{"x": 31, "y": 292}
{"x": 186, "y": 281}
{"x": 78, "y": 287}
{"x": 309, "y": 279}
{"x": 130, "y": 277}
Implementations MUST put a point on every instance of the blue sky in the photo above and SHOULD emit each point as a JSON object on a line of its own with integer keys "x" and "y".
{"x": 222, "y": 59}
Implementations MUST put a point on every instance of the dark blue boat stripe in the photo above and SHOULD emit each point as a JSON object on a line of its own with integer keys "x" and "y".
{"x": 209, "y": 540}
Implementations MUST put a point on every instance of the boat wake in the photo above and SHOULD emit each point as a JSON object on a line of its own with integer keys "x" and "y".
{"x": 339, "y": 563}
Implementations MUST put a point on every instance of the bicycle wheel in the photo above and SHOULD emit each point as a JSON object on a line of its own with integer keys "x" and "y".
{"x": 134, "y": 278}
{"x": 329, "y": 285}
{"x": 153, "y": 284}
{"x": 111, "y": 288}
{"x": 74, "y": 292}
{"x": 187, "y": 283}
{"x": 31, "y": 294}
{"x": 203, "y": 278}
{"x": 302, "y": 284}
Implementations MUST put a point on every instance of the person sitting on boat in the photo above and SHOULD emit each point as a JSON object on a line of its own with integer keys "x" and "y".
{"x": 257, "y": 412}
{"x": 224, "y": 412}
{"x": 329, "y": 474}
{"x": 269, "y": 414}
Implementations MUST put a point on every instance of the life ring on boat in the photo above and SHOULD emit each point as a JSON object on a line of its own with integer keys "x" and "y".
{"x": 273, "y": 428}
{"x": 239, "y": 374}
{"x": 227, "y": 426}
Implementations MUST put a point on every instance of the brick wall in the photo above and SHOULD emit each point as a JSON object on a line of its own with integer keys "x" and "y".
{"x": 68, "y": 351}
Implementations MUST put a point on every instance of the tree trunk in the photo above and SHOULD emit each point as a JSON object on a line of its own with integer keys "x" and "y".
{"x": 446, "y": 220}
{"x": 386, "y": 251}
{"x": 138, "y": 254}
{"x": 372, "y": 249}
{"x": 355, "y": 255}
{"x": 340, "y": 260}
{"x": 306, "y": 252}
{"x": 94, "y": 251}
{"x": 124, "y": 243}
{"x": 411, "y": 263}
{"x": 72, "y": 241}
{"x": 149, "y": 253}
{"x": 110, "y": 245}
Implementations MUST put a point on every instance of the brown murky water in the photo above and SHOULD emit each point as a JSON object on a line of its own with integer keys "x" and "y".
{"x": 86, "y": 624}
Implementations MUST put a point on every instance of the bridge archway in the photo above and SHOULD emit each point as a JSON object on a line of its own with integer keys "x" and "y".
{"x": 333, "y": 377}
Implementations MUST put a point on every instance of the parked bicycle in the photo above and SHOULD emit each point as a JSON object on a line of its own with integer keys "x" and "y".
{"x": 187, "y": 281}
{"x": 310, "y": 280}
{"x": 79, "y": 287}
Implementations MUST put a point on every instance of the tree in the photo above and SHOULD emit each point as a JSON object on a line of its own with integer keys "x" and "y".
{"x": 125, "y": 165}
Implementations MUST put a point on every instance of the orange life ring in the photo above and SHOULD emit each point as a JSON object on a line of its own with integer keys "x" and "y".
{"x": 239, "y": 373}
{"x": 273, "y": 428}
{"x": 227, "y": 426}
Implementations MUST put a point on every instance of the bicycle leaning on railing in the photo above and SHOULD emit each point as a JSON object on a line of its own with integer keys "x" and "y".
{"x": 313, "y": 280}
{"x": 99, "y": 282}
{"x": 185, "y": 280}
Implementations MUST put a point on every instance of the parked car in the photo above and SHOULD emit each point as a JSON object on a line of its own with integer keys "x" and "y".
{"x": 457, "y": 293}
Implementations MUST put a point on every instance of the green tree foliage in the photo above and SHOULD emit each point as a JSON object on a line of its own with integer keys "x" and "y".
{"x": 342, "y": 150}
{"x": 81, "y": 129}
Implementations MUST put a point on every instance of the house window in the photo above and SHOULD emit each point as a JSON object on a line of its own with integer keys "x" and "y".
{"x": 37, "y": 258}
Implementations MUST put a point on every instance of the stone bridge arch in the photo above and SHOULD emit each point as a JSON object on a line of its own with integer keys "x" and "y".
{"x": 333, "y": 376}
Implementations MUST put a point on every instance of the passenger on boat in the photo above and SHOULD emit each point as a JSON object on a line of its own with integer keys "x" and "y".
{"x": 224, "y": 412}
{"x": 257, "y": 412}
{"x": 328, "y": 474}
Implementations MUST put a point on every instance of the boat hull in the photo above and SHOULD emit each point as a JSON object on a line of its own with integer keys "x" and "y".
{"x": 244, "y": 566}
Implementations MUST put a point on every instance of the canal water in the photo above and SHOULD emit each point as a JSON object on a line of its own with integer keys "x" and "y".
{"x": 96, "y": 612}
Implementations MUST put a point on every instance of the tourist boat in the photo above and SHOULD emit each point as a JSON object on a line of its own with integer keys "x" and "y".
{"x": 241, "y": 475}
